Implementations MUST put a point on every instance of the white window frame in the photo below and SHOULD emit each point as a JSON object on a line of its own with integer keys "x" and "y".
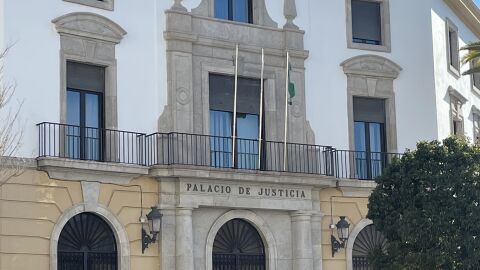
{"x": 104, "y": 4}
{"x": 385, "y": 45}
{"x": 453, "y": 68}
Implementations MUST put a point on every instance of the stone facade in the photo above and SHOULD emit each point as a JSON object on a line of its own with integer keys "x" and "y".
{"x": 292, "y": 212}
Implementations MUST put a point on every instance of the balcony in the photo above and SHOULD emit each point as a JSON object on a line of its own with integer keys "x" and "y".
{"x": 86, "y": 144}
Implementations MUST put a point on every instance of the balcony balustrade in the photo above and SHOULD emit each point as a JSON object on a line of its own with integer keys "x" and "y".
{"x": 167, "y": 149}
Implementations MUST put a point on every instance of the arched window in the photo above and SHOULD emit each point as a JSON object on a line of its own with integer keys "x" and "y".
{"x": 238, "y": 246}
{"x": 368, "y": 240}
{"x": 87, "y": 243}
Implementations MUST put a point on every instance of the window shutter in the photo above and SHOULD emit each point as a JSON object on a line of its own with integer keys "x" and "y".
{"x": 85, "y": 77}
{"x": 366, "y": 21}
{"x": 369, "y": 110}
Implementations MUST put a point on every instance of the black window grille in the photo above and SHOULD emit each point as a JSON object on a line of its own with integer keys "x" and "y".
{"x": 87, "y": 243}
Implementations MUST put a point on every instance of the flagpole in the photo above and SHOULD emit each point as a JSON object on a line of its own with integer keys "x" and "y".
{"x": 234, "y": 134}
{"x": 261, "y": 111}
{"x": 286, "y": 115}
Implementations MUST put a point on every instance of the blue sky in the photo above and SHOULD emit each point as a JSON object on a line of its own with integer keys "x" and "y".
{"x": 477, "y": 2}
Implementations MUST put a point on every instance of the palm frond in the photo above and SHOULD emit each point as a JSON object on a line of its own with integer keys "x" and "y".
{"x": 471, "y": 55}
{"x": 471, "y": 46}
{"x": 475, "y": 69}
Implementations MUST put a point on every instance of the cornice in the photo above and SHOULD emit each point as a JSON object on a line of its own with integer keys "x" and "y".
{"x": 468, "y": 12}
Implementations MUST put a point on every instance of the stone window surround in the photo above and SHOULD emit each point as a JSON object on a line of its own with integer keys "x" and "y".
{"x": 449, "y": 25}
{"x": 259, "y": 10}
{"x": 386, "y": 45}
{"x": 475, "y": 89}
{"x": 104, "y": 4}
{"x": 476, "y": 124}
{"x": 229, "y": 70}
{"x": 90, "y": 38}
{"x": 257, "y": 222}
{"x": 456, "y": 98}
{"x": 370, "y": 69}
{"x": 123, "y": 244}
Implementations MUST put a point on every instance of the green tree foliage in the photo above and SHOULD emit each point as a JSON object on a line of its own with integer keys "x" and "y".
{"x": 427, "y": 206}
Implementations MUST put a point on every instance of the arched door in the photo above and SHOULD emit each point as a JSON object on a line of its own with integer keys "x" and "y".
{"x": 87, "y": 243}
{"x": 368, "y": 240}
{"x": 238, "y": 246}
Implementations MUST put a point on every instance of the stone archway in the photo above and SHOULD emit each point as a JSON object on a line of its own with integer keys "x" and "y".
{"x": 119, "y": 231}
{"x": 257, "y": 222}
{"x": 351, "y": 240}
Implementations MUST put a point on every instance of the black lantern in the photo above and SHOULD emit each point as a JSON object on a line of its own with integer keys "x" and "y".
{"x": 343, "y": 231}
{"x": 154, "y": 225}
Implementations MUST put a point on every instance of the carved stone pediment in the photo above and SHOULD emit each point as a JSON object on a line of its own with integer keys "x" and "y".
{"x": 371, "y": 65}
{"x": 89, "y": 25}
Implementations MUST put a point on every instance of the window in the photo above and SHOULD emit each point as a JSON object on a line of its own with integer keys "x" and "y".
{"x": 369, "y": 135}
{"x": 476, "y": 126}
{"x": 368, "y": 25}
{"x": 234, "y": 10}
{"x": 367, "y": 241}
{"x": 85, "y": 90}
{"x": 453, "y": 58}
{"x": 87, "y": 242}
{"x": 238, "y": 245}
{"x": 456, "y": 116}
{"x": 366, "y": 22}
{"x": 221, "y": 121}
{"x": 103, "y": 4}
{"x": 475, "y": 79}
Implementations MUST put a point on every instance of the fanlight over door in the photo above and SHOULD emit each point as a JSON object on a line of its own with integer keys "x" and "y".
{"x": 87, "y": 243}
{"x": 366, "y": 242}
{"x": 238, "y": 246}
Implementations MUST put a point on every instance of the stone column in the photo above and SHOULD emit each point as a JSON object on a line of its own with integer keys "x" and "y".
{"x": 167, "y": 239}
{"x": 302, "y": 241}
{"x": 184, "y": 239}
{"x": 317, "y": 241}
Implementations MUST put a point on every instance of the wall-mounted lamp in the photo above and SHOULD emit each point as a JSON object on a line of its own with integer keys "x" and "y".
{"x": 154, "y": 225}
{"x": 343, "y": 231}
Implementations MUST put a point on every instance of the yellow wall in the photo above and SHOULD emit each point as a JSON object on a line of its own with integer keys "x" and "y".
{"x": 334, "y": 205}
{"x": 31, "y": 204}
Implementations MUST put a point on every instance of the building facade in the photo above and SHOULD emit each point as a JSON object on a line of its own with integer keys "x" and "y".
{"x": 128, "y": 105}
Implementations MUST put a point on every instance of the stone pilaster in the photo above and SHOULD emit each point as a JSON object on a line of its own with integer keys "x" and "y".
{"x": 184, "y": 239}
{"x": 317, "y": 241}
{"x": 302, "y": 241}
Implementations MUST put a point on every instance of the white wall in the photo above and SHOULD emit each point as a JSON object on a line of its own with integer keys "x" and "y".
{"x": 324, "y": 22}
{"x": 34, "y": 64}
{"x": 443, "y": 78}
{"x": 34, "y": 61}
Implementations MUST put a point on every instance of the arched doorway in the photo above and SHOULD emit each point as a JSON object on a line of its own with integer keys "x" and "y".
{"x": 368, "y": 240}
{"x": 238, "y": 246}
{"x": 87, "y": 243}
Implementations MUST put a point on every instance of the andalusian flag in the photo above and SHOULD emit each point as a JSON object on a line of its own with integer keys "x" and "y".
{"x": 291, "y": 85}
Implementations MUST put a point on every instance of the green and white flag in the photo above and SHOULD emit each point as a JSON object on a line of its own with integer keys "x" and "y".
{"x": 291, "y": 85}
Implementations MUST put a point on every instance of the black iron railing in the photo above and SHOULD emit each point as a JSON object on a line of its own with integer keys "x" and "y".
{"x": 95, "y": 144}
{"x": 217, "y": 152}
{"x": 361, "y": 164}
{"x": 360, "y": 263}
{"x": 87, "y": 260}
{"x": 105, "y": 145}
{"x": 238, "y": 261}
